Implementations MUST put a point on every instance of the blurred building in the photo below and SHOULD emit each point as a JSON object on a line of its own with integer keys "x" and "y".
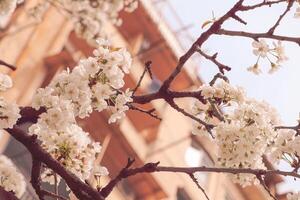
{"x": 42, "y": 50}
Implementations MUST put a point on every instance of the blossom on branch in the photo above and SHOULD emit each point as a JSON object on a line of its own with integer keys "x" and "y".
{"x": 70, "y": 145}
{"x": 95, "y": 84}
{"x": 9, "y": 111}
{"x": 89, "y": 16}
{"x": 275, "y": 56}
{"x": 244, "y": 134}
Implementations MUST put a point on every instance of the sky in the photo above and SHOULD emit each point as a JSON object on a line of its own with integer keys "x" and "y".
{"x": 279, "y": 89}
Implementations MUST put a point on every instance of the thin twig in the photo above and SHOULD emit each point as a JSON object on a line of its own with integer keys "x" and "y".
{"x": 262, "y": 4}
{"x": 288, "y": 8}
{"x": 148, "y": 112}
{"x": 35, "y": 178}
{"x": 213, "y": 59}
{"x": 263, "y": 183}
{"x": 199, "y": 186}
{"x": 147, "y": 69}
{"x": 12, "y": 67}
{"x": 256, "y": 36}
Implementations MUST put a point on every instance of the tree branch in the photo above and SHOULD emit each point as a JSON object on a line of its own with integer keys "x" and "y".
{"x": 256, "y": 36}
{"x": 4, "y": 195}
{"x": 288, "y": 8}
{"x": 213, "y": 59}
{"x": 79, "y": 188}
{"x": 12, "y": 67}
{"x": 262, "y": 4}
{"x": 215, "y": 27}
{"x": 35, "y": 178}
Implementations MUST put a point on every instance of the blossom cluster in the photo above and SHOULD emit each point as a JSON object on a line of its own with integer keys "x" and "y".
{"x": 70, "y": 145}
{"x": 246, "y": 132}
{"x": 10, "y": 177}
{"x": 9, "y": 111}
{"x": 275, "y": 55}
{"x": 90, "y": 15}
{"x": 95, "y": 84}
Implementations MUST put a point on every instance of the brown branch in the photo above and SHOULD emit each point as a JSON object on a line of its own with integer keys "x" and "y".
{"x": 288, "y": 8}
{"x": 262, "y": 4}
{"x": 148, "y": 112}
{"x": 237, "y": 18}
{"x": 207, "y": 126}
{"x": 215, "y": 27}
{"x": 256, "y": 36}
{"x": 80, "y": 189}
{"x": 295, "y": 128}
{"x": 12, "y": 67}
{"x": 126, "y": 172}
{"x": 263, "y": 183}
{"x": 216, "y": 77}
{"x": 144, "y": 99}
{"x": 84, "y": 191}
{"x": 213, "y": 59}
{"x": 192, "y": 170}
{"x": 35, "y": 178}
{"x": 4, "y": 195}
{"x": 153, "y": 167}
{"x": 199, "y": 186}
{"x": 147, "y": 69}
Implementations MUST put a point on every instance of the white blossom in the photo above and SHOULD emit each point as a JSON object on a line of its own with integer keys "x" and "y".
{"x": 255, "y": 69}
{"x": 100, "y": 171}
{"x": 246, "y": 133}
{"x": 9, "y": 114}
{"x": 207, "y": 91}
{"x": 279, "y": 52}
{"x": 10, "y": 177}
{"x": 89, "y": 16}
{"x": 275, "y": 56}
{"x": 70, "y": 145}
{"x": 92, "y": 85}
{"x": 261, "y": 48}
{"x": 5, "y": 82}
{"x": 120, "y": 107}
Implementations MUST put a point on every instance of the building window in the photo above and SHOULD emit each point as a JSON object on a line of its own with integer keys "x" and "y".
{"x": 154, "y": 86}
{"x": 182, "y": 194}
{"x": 126, "y": 190}
{"x": 195, "y": 156}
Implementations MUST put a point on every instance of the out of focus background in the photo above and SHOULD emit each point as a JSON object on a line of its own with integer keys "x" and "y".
{"x": 159, "y": 31}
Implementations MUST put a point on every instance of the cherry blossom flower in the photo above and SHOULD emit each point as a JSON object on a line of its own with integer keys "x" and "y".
{"x": 70, "y": 145}
{"x": 275, "y": 56}
{"x": 245, "y": 134}
{"x": 255, "y": 69}
{"x": 89, "y": 16}
{"x": 261, "y": 48}
{"x": 293, "y": 196}
{"x": 5, "y": 82}
{"x": 10, "y": 177}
